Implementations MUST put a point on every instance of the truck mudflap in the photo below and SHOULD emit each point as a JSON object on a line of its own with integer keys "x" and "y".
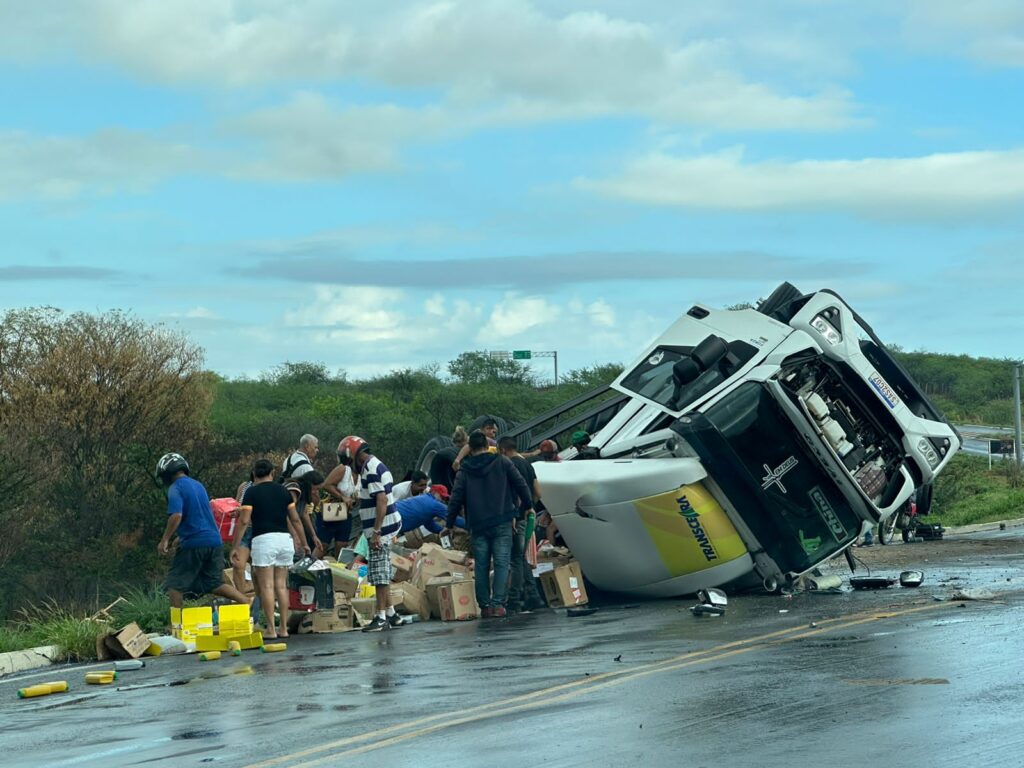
{"x": 644, "y": 527}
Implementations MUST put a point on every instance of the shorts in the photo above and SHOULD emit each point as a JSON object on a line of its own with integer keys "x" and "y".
{"x": 273, "y": 550}
{"x": 196, "y": 571}
{"x": 378, "y": 570}
{"x": 339, "y": 531}
{"x": 246, "y": 540}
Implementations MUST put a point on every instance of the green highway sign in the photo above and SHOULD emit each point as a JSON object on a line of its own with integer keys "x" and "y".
{"x": 522, "y": 354}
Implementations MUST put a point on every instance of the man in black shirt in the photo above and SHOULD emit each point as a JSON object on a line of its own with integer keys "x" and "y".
{"x": 522, "y": 590}
{"x": 276, "y": 535}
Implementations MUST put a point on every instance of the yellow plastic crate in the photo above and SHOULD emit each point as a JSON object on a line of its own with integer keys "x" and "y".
{"x": 220, "y": 642}
{"x": 189, "y": 623}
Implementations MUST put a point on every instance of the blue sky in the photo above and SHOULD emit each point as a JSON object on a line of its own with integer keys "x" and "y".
{"x": 387, "y": 188}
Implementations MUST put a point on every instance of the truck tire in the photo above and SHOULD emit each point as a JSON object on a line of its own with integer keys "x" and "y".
{"x": 887, "y": 529}
{"x": 782, "y": 303}
{"x": 433, "y": 445}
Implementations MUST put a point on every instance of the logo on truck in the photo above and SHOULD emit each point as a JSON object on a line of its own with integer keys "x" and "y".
{"x": 692, "y": 518}
{"x": 774, "y": 476}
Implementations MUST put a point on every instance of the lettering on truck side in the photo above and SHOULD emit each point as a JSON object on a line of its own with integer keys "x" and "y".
{"x": 692, "y": 519}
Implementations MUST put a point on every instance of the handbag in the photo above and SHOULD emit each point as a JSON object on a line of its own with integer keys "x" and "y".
{"x": 334, "y": 511}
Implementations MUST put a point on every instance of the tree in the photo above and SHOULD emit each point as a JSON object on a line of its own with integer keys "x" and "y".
{"x": 480, "y": 368}
{"x": 300, "y": 373}
{"x": 101, "y": 397}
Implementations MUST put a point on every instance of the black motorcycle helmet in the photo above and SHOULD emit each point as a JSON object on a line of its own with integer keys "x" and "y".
{"x": 169, "y": 465}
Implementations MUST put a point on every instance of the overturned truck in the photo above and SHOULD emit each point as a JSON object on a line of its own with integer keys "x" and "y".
{"x": 743, "y": 448}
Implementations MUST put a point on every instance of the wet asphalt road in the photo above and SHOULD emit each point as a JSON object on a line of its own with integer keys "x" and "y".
{"x": 894, "y": 677}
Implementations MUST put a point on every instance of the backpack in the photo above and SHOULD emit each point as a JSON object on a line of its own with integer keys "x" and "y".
{"x": 289, "y": 468}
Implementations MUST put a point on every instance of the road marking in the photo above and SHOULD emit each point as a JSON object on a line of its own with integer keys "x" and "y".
{"x": 558, "y": 693}
{"x": 882, "y": 681}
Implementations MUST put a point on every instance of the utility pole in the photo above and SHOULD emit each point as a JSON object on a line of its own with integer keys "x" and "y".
{"x": 1017, "y": 413}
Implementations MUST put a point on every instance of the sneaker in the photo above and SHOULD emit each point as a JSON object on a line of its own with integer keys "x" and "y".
{"x": 394, "y": 620}
{"x": 378, "y": 624}
{"x": 487, "y": 612}
{"x": 499, "y": 612}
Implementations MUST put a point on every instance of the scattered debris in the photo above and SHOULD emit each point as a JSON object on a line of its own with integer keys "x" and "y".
{"x": 618, "y": 658}
{"x": 973, "y": 594}
{"x": 911, "y": 578}
{"x": 712, "y": 602}
{"x": 574, "y": 612}
{"x": 784, "y": 610}
{"x": 871, "y": 582}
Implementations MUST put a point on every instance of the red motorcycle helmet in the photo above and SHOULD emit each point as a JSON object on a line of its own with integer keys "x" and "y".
{"x": 351, "y": 447}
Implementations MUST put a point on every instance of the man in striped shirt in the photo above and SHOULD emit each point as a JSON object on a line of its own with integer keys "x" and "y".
{"x": 381, "y": 523}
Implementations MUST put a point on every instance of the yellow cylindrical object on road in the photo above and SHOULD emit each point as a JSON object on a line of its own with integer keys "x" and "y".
{"x": 275, "y": 647}
{"x": 209, "y": 656}
{"x": 235, "y": 647}
{"x": 43, "y": 689}
{"x": 100, "y": 678}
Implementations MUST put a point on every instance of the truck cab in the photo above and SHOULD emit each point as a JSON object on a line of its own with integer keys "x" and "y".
{"x": 746, "y": 446}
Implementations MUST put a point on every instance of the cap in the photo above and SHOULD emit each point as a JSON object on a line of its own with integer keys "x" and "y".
{"x": 440, "y": 490}
{"x": 579, "y": 437}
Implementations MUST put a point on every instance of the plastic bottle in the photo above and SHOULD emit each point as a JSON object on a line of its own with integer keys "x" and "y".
{"x": 235, "y": 647}
{"x": 100, "y": 678}
{"x": 209, "y": 656}
{"x": 121, "y": 666}
{"x": 274, "y": 647}
{"x": 43, "y": 689}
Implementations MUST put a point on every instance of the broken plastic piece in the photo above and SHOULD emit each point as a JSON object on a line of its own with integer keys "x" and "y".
{"x": 911, "y": 578}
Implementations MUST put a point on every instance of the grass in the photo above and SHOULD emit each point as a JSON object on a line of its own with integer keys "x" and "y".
{"x": 967, "y": 492}
{"x": 49, "y": 624}
{"x": 148, "y": 607}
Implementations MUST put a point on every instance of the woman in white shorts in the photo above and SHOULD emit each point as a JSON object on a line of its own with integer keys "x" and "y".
{"x": 269, "y": 509}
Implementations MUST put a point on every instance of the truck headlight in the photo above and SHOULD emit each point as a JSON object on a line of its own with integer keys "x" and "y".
{"x": 924, "y": 445}
{"x": 829, "y": 332}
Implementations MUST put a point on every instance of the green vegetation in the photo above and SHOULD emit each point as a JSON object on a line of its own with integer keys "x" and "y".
{"x": 147, "y": 606}
{"x": 50, "y": 624}
{"x": 967, "y": 492}
{"x": 968, "y": 390}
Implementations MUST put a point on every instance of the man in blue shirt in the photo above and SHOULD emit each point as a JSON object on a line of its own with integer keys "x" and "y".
{"x": 198, "y": 565}
{"x": 426, "y": 509}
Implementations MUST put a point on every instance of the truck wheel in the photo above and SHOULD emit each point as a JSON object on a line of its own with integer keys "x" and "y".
{"x": 782, "y": 303}
{"x": 433, "y": 445}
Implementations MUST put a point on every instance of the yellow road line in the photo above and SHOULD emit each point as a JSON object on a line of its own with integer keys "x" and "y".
{"x": 567, "y": 690}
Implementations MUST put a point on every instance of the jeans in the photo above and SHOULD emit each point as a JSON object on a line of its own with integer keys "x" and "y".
{"x": 522, "y": 589}
{"x": 492, "y": 545}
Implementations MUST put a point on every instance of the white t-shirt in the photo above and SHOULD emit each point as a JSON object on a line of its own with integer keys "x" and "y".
{"x": 347, "y": 486}
{"x": 402, "y": 490}
{"x": 294, "y": 459}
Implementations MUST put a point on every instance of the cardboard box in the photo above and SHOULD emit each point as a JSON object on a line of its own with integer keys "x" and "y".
{"x": 434, "y": 586}
{"x": 401, "y": 567}
{"x": 364, "y": 608}
{"x": 129, "y": 642}
{"x": 340, "y": 618}
{"x": 563, "y": 586}
{"x": 453, "y": 598}
{"x": 229, "y": 578}
{"x": 451, "y": 555}
{"x": 430, "y": 565}
{"x": 412, "y": 539}
{"x": 409, "y": 599}
{"x": 345, "y": 581}
{"x": 220, "y": 642}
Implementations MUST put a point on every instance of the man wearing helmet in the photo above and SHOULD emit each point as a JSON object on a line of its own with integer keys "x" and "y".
{"x": 381, "y": 523}
{"x": 198, "y": 565}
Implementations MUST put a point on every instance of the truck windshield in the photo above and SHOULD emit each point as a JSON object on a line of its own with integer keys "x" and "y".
{"x": 787, "y": 500}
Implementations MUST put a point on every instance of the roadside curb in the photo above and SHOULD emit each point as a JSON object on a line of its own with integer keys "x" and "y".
{"x": 28, "y": 658}
{"x": 993, "y": 526}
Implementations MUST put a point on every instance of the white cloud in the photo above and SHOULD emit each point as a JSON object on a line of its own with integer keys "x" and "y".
{"x": 364, "y": 315}
{"x": 509, "y": 59}
{"x": 514, "y": 315}
{"x": 938, "y": 185}
{"x": 990, "y": 31}
{"x": 66, "y": 167}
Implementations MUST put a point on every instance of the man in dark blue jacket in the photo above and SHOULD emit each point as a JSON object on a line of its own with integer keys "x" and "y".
{"x": 488, "y": 488}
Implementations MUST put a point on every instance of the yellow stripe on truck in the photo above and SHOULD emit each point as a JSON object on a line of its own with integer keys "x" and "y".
{"x": 689, "y": 529}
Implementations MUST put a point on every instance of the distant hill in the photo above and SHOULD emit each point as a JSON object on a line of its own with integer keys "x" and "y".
{"x": 974, "y": 390}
